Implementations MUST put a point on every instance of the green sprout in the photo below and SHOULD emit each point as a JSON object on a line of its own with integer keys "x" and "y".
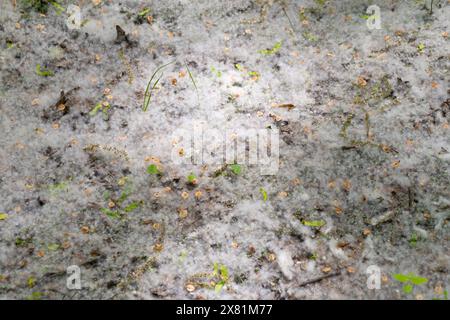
{"x": 263, "y": 193}
{"x": 236, "y": 169}
{"x": 217, "y": 73}
{"x": 144, "y": 12}
{"x": 192, "y": 178}
{"x": 43, "y": 72}
{"x": 153, "y": 169}
{"x": 192, "y": 79}
{"x": 409, "y": 280}
{"x": 273, "y": 50}
{"x": 221, "y": 272}
{"x": 149, "y": 89}
{"x": 421, "y": 47}
{"x": 314, "y": 223}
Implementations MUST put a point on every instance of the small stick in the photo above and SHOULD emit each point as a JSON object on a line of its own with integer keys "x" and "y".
{"x": 320, "y": 279}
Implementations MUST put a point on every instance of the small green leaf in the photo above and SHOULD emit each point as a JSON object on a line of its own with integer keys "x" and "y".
{"x": 144, "y": 12}
{"x": 224, "y": 272}
{"x": 132, "y": 206}
{"x": 271, "y": 51}
{"x": 401, "y": 277}
{"x": 96, "y": 109}
{"x": 153, "y": 169}
{"x": 192, "y": 178}
{"x": 3, "y": 216}
{"x": 264, "y": 193}
{"x": 35, "y": 296}
{"x": 239, "y": 67}
{"x": 236, "y": 169}
{"x": 43, "y": 73}
{"x": 110, "y": 213}
{"x": 314, "y": 223}
{"x": 417, "y": 280}
{"x": 53, "y": 246}
{"x": 407, "y": 288}
{"x": 219, "y": 286}
{"x": 31, "y": 282}
{"x": 421, "y": 47}
{"x": 216, "y": 269}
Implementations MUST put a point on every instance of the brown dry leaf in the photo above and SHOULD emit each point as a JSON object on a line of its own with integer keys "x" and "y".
{"x": 366, "y": 232}
{"x": 40, "y": 253}
{"x": 158, "y": 247}
{"x": 434, "y": 85}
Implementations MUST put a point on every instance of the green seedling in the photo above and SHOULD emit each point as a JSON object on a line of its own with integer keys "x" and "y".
{"x": 236, "y": 169}
{"x": 153, "y": 169}
{"x": 421, "y": 47}
{"x": 53, "y": 247}
{"x": 220, "y": 272}
{"x": 31, "y": 282}
{"x": 43, "y": 72}
{"x": 314, "y": 223}
{"x": 273, "y": 50}
{"x": 216, "y": 72}
{"x": 151, "y": 87}
{"x": 144, "y": 12}
{"x": 111, "y": 213}
{"x": 409, "y": 281}
{"x": 263, "y": 193}
{"x": 192, "y": 178}
{"x": 192, "y": 80}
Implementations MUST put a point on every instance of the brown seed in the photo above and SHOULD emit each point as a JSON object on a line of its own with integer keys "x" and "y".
{"x": 271, "y": 257}
{"x": 396, "y": 164}
{"x": 347, "y": 185}
{"x": 198, "y": 194}
{"x": 85, "y": 229}
{"x": 326, "y": 269}
{"x": 158, "y": 247}
{"x": 184, "y": 195}
{"x": 361, "y": 82}
{"x": 366, "y": 232}
{"x": 183, "y": 213}
{"x": 111, "y": 204}
{"x": 351, "y": 270}
{"x": 190, "y": 287}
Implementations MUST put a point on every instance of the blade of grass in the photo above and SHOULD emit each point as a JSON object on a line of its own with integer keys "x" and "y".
{"x": 150, "y": 88}
{"x": 192, "y": 79}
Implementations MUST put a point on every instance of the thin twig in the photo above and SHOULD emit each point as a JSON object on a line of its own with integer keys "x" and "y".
{"x": 319, "y": 279}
